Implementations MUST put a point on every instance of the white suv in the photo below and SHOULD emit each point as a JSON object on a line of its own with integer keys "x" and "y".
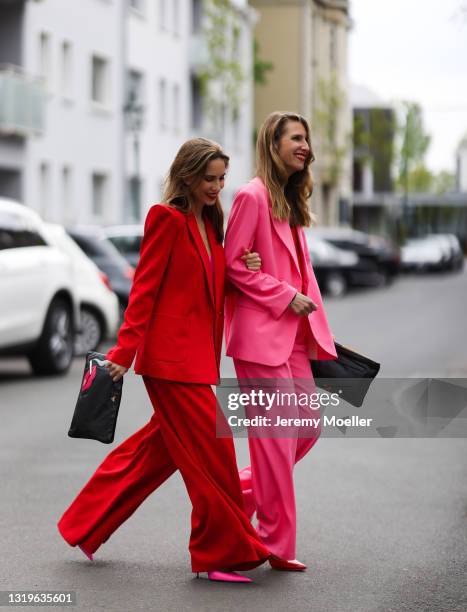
{"x": 39, "y": 313}
{"x": 99, "y": 310}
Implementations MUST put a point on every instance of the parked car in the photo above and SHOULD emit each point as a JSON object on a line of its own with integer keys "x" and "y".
{"x": 97, "y": 247}
{"x": 99, "y": 307}
{"x": 127, "y": 239}
{"x": 454, "y": 256}
{"x": 39, "y": 311}
{"x": 379, "y": 260}
{"x": 433, "y": 252}
{"x": 334, "y": 268}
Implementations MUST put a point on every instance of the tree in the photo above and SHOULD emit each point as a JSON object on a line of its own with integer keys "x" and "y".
{"x": 444, "y": 182}
{"x": 414, "y": 143}
{"x": 260, "y": 67}
{"x": 421, "y": 179}
{"x": 373, "y": 140}
{"x": 222, "y": 76}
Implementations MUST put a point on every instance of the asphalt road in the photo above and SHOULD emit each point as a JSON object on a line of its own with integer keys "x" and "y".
{"x": 382, "y": 523}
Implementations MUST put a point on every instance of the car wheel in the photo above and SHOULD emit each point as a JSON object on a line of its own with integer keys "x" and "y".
{"x": 54, "y": 351}
{"x": 336, "y": 285}
{"x": 92, "y": 331}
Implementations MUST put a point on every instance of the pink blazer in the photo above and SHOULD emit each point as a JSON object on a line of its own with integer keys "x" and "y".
{"x": 259, "y": 326}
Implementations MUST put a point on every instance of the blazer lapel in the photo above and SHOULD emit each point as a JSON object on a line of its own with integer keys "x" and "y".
{"x": 198, "y": 241}
{"x": 303, "y": 247}
{"x": 218, "y": 258}
{"x": 285, "y": 234}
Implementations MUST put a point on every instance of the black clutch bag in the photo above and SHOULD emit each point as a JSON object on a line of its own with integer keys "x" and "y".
{"x": 350, "y": 375}
{"x": 96, "y": 410}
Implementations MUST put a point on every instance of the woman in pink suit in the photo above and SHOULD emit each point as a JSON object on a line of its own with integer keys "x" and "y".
{"x": 274, "y": 319}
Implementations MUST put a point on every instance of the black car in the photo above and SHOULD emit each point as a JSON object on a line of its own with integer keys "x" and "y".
{"x": 379, "y": 260}
{"x": 97, "y": 247}
{"x": 334, "y": 268}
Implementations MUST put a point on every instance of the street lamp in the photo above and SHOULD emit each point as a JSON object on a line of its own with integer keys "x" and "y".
{"x": 133, "y": 112}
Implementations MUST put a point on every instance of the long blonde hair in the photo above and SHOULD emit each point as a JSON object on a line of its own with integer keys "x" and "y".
{"x": 190, "y": 163}
{"x": 289, "y": 195}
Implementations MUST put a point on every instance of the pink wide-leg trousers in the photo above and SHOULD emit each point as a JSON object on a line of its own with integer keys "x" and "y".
{"x": 267, "y": 484}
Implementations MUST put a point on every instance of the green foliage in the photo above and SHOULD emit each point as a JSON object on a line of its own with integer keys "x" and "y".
{"x": 444, "y": 182}
{"x": 222, "y": 36}
{"x": 331, "y": 100}
{"x": 414, "y": 143}
{"x": 260, "y": 67}
{"x": 373, "y": 138}
{"x": 420, "y": 180}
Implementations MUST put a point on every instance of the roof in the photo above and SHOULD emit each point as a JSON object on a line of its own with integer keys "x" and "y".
{"x": 15, "y": 207}
{"x": 364, "y": 97}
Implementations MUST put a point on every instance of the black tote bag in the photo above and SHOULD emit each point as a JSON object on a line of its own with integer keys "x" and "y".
{"x": 96, "y": 411}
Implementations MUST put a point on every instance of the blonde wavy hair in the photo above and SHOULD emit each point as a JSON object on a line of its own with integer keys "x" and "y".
{"x": 185, "y": 174}
{"x": 289, "y": 195}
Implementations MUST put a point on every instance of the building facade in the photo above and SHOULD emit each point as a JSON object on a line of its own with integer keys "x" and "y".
{"x": 461, "y": 166}
{"x": 114, "y": 88}
{"x": 306, "y": 42}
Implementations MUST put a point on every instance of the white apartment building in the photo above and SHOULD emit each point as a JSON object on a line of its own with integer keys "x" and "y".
{"x": 461, "y": 166}
{"x": 77, "y": 65}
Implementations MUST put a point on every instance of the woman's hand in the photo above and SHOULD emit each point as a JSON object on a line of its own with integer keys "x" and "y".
{"x": 116, "y": 371}
{"x": 252, "y": 260}
{"x": 302, "y": 305}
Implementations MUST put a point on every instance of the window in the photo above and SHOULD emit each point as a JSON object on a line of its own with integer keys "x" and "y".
{"x": 66, "y": 195}
{"x": 163, "y": 15}
{"x": 137, "y": 5}
{"x": 16, "y": 232}
{"x": 44, "y": 188}
{"x": 99, "y": 80}
{"x": 66, "y": 69}
{"x": 176, "y": 119}
{"x": 196, "y": 15}
{"x": 99, "y": 184}
{"x": 333, "y": 46}
{"x": 44, "y": 58}
{"x": 176, "y": 17}
{"x": 196, "y": 103}
{"x": 162, "y": 104}
{"x": 133, "y": 199}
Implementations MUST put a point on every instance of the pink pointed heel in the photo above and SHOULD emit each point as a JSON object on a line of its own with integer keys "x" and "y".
{"x": 218, "y": 576}
{"x": 88, "y": 554}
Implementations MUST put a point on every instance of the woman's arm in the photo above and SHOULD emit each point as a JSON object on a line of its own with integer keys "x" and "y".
{"x": 160, "y": 234}
{"x": 269, "y": 292}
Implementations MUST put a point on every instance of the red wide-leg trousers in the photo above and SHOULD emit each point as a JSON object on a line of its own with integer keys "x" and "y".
{"x": 180, "y": 435}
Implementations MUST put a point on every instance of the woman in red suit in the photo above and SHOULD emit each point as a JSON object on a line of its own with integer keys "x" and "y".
{"x": 174, "y": 325}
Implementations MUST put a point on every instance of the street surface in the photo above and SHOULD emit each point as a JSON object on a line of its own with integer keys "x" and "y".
{"x": 382, "y": 523}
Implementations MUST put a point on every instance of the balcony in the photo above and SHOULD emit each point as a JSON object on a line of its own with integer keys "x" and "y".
{"x": 22, "y": 103}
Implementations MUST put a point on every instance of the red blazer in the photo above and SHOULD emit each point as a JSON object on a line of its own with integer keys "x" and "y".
{"x": 175, "y": 315}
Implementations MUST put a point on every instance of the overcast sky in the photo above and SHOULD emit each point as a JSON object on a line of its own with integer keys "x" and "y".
{"x": 416, "y": 50}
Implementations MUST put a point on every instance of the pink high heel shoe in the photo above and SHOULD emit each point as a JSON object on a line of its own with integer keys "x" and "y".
{"x": 88, "y": 554}
{"x": 218, "y": 576}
